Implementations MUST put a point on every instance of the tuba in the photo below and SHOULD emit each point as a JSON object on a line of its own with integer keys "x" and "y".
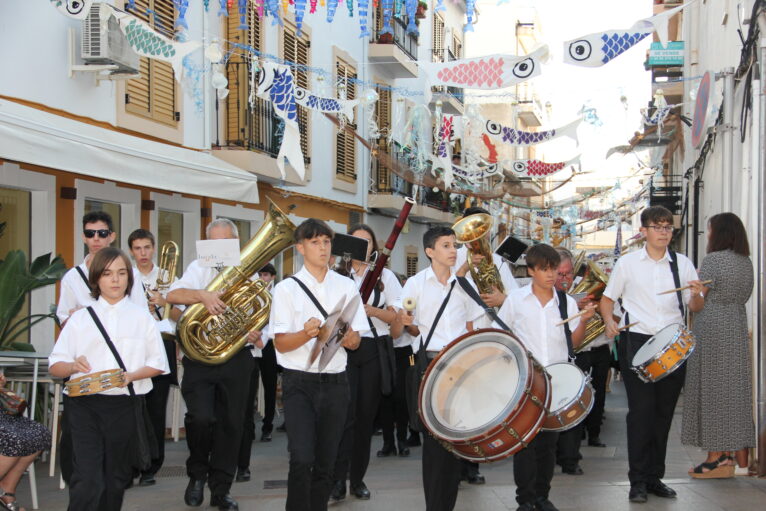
{"x": 593, "y": 284}
{"x": 473, "y": 231}
{"x": 215, "y": 339}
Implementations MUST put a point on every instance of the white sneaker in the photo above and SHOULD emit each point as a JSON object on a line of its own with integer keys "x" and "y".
{"x": 741, "y": 471}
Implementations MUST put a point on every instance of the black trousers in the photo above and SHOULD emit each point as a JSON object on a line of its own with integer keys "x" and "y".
{"x": 441, "y": 475}
{"x": 393, "y": 408}
{"x": 650, "y": 413}
{"x": 103, "y": 433}
{"x": 215, "y": 398}
{"x": 268, "y": 368}
{"x": 66, "y": 455}
{"x": 156, "y": 405}
{"x": 248, "y": 428}
{"x": 363, "y": 371}
{"x": 315, "y": 413}
{"x": 533, "y": 468}
{"x": 597, "y": 361}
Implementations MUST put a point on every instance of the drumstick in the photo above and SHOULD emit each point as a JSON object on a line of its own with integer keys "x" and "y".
{"x": 628, "y": 326}
{"x": 684, "y": 288}
{"x": 572, "y": 317}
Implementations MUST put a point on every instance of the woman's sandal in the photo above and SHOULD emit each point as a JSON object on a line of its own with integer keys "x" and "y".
{"x": 10, "y": 506}
{"x": 714, "y": 469}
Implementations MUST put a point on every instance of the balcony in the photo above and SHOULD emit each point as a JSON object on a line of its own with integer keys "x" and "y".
{"x": 396, "y": 53}
{"x": 530, "y": 112}
{"x": 452, "y": 98}
{"x": 667, "y": 192}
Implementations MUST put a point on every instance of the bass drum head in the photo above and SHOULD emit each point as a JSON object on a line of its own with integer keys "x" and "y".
{"x": 567, "y": 381}
{"x": 656, "y": 344}
{"x": 474, "y": 385}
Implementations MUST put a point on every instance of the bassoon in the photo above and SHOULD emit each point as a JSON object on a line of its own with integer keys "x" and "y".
{"x": 373, "y": 275}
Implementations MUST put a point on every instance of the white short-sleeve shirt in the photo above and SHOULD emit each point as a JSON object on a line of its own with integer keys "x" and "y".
{"x": 429, "y": 294}
{"x": 392, "y": 289}
{"x": 291, "y": 308}
{"x": 535, "y": 324}
{"x": 132, "y": 330}
{"x": 76, "y": 293}
{"x": 638, "y": 279}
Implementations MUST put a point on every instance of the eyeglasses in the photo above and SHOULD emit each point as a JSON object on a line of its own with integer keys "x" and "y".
{"x": 102, "y": 233}
{"x": 661, "y": 228}
{"x": 565, "y": 275}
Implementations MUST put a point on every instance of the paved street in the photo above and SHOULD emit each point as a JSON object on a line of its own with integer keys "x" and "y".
{"x": 396, "y": 482}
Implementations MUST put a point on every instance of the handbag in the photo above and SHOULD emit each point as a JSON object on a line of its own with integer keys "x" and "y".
{"x": 11, "y": 403}
{"x": 417, "y": 369}
{"x": 146, "y": 443}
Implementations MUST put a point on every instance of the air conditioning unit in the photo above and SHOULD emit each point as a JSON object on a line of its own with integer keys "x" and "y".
{"x": 108, "y": 47}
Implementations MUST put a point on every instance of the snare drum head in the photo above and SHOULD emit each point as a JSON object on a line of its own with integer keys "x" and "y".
{"x": 474, "y": 384}
{"x": 656, "y": 344}
{"x": 567, "y": 381}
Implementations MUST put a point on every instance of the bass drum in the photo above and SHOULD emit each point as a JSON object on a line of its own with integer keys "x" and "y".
{"x": 484, "y": 397}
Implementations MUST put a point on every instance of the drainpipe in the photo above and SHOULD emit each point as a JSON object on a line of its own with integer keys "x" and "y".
{"x": 728, "y": 137}
{"x": 760, "y": 305}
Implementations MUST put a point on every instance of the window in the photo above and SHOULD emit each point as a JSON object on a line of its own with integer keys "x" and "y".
{"x": 296, "y": 49}
{"x": 123, "y": 204}
{"x": 153, "y": 95}
{"x": 437, "y": 39}
{"x": 412, "y": 264}
{"x": 170, "y": 227}
{"x": 456, "y": 48}
{"x": 383, "y": 116}
{"x": 15, "y": 234}
{"x": 345, "y": 144}
{"x": 243, "y": 227}
{"x": 247, "y": 220}
{"x": 108, "y": 207}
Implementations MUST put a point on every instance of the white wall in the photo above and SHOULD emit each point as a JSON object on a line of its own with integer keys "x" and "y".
{"x": 382, "y": 225}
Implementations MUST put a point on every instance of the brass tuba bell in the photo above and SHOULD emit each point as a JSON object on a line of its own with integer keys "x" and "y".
{"x": 593, "y": 284}
{"x": 215, "y": 339}
{"x": 474, "y": 231}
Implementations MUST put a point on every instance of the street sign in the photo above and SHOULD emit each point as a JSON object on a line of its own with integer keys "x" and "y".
{"x": 701, "y": 109}
{"x": 671, "y": 55}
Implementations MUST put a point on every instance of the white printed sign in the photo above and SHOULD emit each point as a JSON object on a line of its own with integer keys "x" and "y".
{"x": 218, "y": 253}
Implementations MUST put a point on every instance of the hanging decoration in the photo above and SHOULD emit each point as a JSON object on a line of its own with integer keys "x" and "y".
{"x": 300, "y": 11}
{"x": 490, "y": 72}
{"x": 443, "y": 158}
{"x": 388, "y": 7}
{"x": 181, "y": 6}
{"x": 350, "y": 6}
{"x": 364, "y": 5}
{"x": 597, "y": 49}
{"x": 223, "y": 8}
{"x": 277, "y": 85}
{"x": 526, "y": 138}
{"x": 440, "y": 6}
{"x": 332, "y": 6}
{"x": 253, "y": 79}
{"x": 273, "y": 7}
{"x": 327, "y": 105}
{"x": 242, "y": 9}
{"x": 313, "y": 6}
{"x": 411, "y": 7}
{"x": 470, "y": 10}
{"x": 537, "y": 168}
{"x": 76, "y": 9}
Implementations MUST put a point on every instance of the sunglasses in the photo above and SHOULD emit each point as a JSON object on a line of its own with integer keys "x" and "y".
{"x": 102, "y": 233}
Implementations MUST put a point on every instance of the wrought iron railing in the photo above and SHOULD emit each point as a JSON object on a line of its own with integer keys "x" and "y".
{"x": 408, "y": 43}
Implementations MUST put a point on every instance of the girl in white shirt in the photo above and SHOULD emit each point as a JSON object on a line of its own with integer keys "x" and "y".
{"x": 104, "y": 424}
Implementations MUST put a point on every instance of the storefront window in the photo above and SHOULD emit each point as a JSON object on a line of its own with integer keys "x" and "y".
{"x": 15, "y": 233}
{"x": 170, "y": 227}
{"x": 113, "y": 209}
{"x": 243, "y": 226}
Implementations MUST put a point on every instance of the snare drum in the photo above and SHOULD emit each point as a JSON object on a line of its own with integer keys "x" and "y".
{"x": 663, "y": 353}
{"x": 571, "y": 397}
{"x": 484, "y": 397}
{"x": 95, "y": 382}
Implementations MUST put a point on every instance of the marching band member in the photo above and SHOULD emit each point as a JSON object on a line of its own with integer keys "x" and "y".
{"x": 365, "y": 369}
{"x": 103, "y": 425}
{"x": 431, "y": 288}
{"x": 315, "y": 402}
{"x": 533, "y": 312}
{"x": 637, "y": 278}
{"x": 142, "y": 247}
{"x": 268, "y": 364}
{"x": 215, "y": 395}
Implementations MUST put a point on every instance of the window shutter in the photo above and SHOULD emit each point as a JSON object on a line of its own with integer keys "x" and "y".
{"x": 383, "y": 115}
{"x": 412, "y": 264}
{"x": 238, "y": 75}
{"x": 296, "y": 49}
{"x": 438, "y": 39}
{"x": 346, "y": 142}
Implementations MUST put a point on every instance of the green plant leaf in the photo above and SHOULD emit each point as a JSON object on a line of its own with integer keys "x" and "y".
{"x": 22, "y": 346}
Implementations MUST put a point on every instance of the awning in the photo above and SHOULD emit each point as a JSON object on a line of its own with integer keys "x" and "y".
{"x": 41, "y": 138}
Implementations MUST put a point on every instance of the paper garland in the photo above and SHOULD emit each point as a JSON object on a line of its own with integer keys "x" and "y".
{"x": 277, "y": 85}
{"x": 327, "y": 105}
{"x": 488, "y": 73}
{"x": 526, "y": 138}
{"x": 76, "y": 9}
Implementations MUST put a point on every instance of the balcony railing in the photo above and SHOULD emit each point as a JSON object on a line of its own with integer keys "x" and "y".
{"x": 408, "y": 43}
{"x": 666, "y": 191}
{"x": 437, "y": 55}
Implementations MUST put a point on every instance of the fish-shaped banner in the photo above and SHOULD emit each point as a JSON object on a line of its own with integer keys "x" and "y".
{"x": 526, "y": 138}
{"x": 443, "y": 157}
{"x": 327, "y": 105}
{"x": 276, "y": 84}
{"x": 597, "y": 49}
{"x": 537, "y": 168}
{"x": 490, "y": 72}
{"x": 77, "y": 9}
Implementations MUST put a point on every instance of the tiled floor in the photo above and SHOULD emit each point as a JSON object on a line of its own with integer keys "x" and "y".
{"x": 395, "y": 482}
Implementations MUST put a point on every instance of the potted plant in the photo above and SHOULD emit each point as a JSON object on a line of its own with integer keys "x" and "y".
{"x": 387, "y": 38}
{"x": 420, "y": 13}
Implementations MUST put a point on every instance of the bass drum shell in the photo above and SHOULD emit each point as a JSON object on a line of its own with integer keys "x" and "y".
{"x": 484, "y": 396}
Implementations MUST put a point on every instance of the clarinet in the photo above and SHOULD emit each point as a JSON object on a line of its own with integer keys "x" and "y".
{"x": 373, "y": 275}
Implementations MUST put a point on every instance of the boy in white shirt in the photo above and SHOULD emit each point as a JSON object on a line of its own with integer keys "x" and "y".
{"x": 532, "y": 313}
{"x": 315, "y": 402}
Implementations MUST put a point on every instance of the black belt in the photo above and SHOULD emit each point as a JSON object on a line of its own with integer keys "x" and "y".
{"x": 316, "y": 377}
{"x": 430, "y": 355}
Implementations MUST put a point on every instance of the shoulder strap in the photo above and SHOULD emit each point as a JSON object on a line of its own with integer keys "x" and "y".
{"x": 563, "y": 312}
{"x": 676, "y": 279}
{"x": 438, "y": 315}
{"x": 84, "y": 277}
{"x": 470, "y": 291}
{"x": 109, "y": 343}
{"x": 311, "y": 296}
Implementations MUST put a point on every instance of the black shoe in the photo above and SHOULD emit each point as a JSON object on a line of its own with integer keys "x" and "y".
{"x": 195, "y": 492}
{"x": 223, "y": 502}
{"x": 404, "y": 452}
{"x": 637, "y": 493}
{"x": 243, "y": 474}
{"x": 413, "y": 441}
{"x": 386, "y": 451}
{"x": 361, "y": 492}
{"x": 281, "y": 428}
{"x": 596, "y": 442}
{"x": 266, "y": 436}
{"x": 338, "y": 491}
{"x": 545, "y": 505}
{"x": 475, "y": 479}
{"x": 147, "y": 480}
{"x": 527, "y": 506}
{"x": 572, "y": 471}
{"x": 661, "y": 490}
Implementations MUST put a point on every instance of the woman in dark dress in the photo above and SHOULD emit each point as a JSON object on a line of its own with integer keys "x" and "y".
{"x": 718, "y": 398}
{"x": 21, "y": 441}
